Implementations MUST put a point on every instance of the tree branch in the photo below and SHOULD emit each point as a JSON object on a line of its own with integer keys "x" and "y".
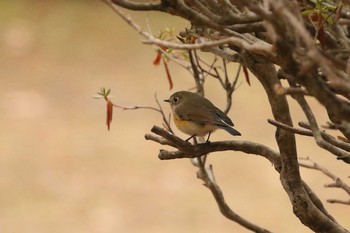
{"x": 186, "y": 150}
{"x": 290, "y": 128}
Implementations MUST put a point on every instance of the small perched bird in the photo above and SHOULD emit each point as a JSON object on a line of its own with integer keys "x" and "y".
{"x": 197, "y": 116}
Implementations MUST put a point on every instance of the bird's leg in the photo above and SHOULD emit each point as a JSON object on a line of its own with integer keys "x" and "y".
{"x": 190, "y": 137}
{"x": 207, "y": 141}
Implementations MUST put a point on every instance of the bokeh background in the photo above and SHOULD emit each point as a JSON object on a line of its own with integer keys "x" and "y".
{"x": 62, "y": 171}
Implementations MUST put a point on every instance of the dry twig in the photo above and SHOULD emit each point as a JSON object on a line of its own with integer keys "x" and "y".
{"x": 337, "y": 182}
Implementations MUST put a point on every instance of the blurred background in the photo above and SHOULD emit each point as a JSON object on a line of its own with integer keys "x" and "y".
{"x": 62, "y": 171}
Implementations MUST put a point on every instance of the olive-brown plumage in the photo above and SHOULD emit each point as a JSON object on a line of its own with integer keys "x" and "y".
{"x": 197, "y": 116}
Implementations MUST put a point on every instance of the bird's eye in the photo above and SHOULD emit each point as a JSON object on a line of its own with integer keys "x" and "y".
{"x": 175, "y": 99}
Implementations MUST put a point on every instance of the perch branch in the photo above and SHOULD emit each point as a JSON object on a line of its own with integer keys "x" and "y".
{"x": 186, "y": 150}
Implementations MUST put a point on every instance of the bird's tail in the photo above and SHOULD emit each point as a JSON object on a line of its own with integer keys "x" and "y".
{"x": 231, "y": 130}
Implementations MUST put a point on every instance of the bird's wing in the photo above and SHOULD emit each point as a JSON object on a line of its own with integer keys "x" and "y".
{"x": 224, "y": 117}
{"x": 207, "y": 116}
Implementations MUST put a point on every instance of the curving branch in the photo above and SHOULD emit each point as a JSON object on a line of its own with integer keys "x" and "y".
{"x": 291, "y": 129}
{"x": 187, "y": 150}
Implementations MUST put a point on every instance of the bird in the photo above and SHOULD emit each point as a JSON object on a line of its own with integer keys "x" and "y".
{"x": 197, "y": 116}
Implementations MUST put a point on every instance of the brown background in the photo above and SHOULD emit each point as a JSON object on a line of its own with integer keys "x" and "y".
{"x": 62, "y": 171}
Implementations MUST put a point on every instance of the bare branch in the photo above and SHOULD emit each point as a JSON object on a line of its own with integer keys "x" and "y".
{"x": 165, "y": 120}
{"x": 136, "y": 107}
{"x": 290, "y": 128}
{"x": 186, "y": 150}
{"x": 159, "y": 140}
{"x": 333, "y": 201}
{"x": 197, "y": 74}
{"x": 203, "y": 43}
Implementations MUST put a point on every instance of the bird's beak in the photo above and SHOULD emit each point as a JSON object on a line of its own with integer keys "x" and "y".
{"x": 167, "y": 100}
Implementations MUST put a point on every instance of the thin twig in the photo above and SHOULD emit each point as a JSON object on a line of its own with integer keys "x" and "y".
{"x": 165, "y": 120}
{"x": 136, "y": 107}
{"x": 336, "y": 201}
{"x": 290, "y": 128}
{"x": 230, "y": 88}
{"x": 337, "y": 182}
{"x": 197, "y": 74}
